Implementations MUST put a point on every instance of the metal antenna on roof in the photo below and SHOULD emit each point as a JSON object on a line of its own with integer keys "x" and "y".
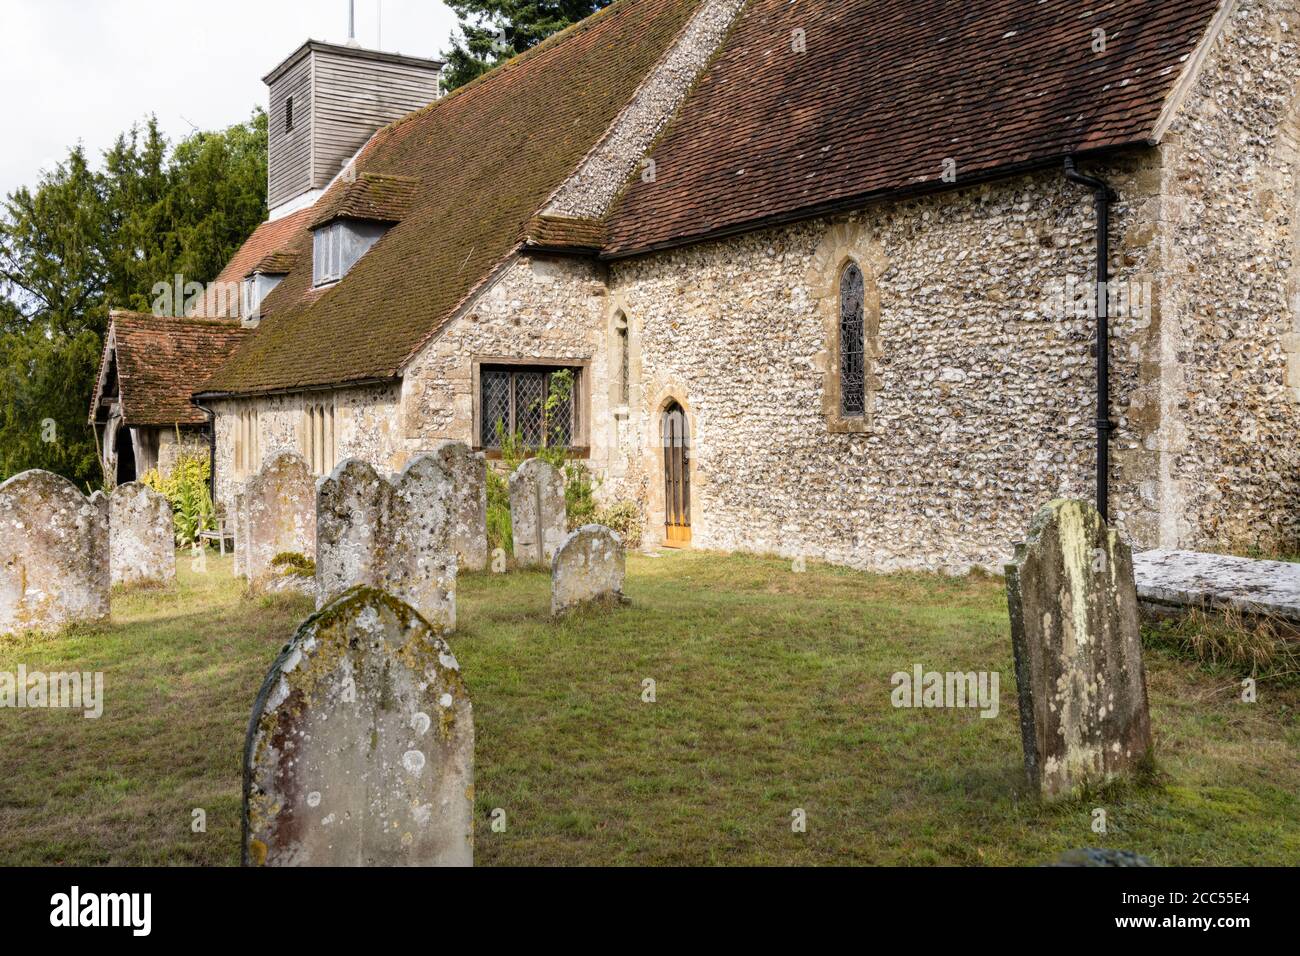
{"x": 352, "y": 23}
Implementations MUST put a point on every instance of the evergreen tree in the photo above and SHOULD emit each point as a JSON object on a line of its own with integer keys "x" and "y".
{"x": 492, "y": 31}
{"x": 83, "y": 242}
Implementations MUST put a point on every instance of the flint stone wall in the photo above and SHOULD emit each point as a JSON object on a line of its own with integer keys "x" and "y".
{"x": 54, "y": 554}
{"x": 538, "y": 520}
{"x": 588, "y": 568}
{"x": 392, "y": 535}
{"x": 277, "y": 515}
{"x": 360, "y": 751}
{"x": 1074, "y": 627}
{"x": 141, "y": 536}
{"x": 468, "y": 471}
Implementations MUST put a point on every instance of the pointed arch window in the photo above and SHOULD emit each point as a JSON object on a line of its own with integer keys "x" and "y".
{"x": 853, "y": 365}
{"x": 624, "y": 360}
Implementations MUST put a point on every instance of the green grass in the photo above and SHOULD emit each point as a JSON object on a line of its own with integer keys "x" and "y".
{"x": 772, "y": 693}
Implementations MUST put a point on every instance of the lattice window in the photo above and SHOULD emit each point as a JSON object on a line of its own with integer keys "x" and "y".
{"x": 853, "y": 386}
{"x": 513, "y": 401}
{"x": 495, "y": 387}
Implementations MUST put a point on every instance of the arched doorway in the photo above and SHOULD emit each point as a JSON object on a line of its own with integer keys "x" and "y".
{"x": 675, "y": 431}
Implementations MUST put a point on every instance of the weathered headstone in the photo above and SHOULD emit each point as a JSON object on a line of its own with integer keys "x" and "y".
{"x": 588, "y": 569}
{"x": 239, "y": 526}
{"x": 392, "y": 535}
{"x": 360, "y": 751}
{"x": 54, "y": 566}
{"x": 278, "y": 517}
{"x": 538, "y": 521}
{"x": 141, "y": 536}
{"x": 1074, "y": 626}
{"x": 468, "y": 470}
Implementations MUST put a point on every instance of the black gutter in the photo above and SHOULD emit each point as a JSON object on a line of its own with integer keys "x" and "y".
{"x": 1103, "y": 196}
{"x": 198, "y": 397}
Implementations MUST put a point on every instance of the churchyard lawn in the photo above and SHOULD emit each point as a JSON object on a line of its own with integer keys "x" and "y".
{"x": 772, "y": 693}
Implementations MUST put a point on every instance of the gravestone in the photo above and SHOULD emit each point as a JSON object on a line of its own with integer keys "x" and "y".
{"x": 588, "y": 569}
{"x": 468, "y": 470}
{"x": 278, "y": 516}
{"x": 141, "y": 536}
{"x": 538, "y": 521}
{"x": 237, "y": 515}
{"x": 1074, "y": 627}
{"x": 360, "y": 751}
{"x": 54, "y": 555}
{"x": 392, "y": 535}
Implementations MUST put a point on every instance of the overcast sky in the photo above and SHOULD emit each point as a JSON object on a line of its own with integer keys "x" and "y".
{"x": 87, "y": 69}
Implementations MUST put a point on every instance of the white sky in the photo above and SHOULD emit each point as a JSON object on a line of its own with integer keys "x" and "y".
{"x": 87, "y": 69}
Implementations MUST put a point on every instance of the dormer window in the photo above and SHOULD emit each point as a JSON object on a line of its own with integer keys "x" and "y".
{"x": 339, "y": 244}
{"x": 256, "y": 287}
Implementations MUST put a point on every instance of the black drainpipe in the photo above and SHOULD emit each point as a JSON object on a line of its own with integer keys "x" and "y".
{"x": 1103, "y": 196}
{"x": 212, "y": 450}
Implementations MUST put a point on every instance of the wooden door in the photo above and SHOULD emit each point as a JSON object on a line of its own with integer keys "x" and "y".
{"x": 677, "y": 477}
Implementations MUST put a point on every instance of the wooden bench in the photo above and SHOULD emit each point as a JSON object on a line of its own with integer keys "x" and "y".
{"x": 220, "y": 535}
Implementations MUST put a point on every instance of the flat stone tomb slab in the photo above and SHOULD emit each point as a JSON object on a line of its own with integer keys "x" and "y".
{"x": 1196, "y": 579}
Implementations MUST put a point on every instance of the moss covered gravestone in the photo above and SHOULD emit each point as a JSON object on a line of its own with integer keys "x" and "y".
{"x": 588, "y": 569}
{"x": 54, "y": 564}
{"x": 395, "y": 535}
{"x": 360, "y": 751}
{"x": 538, "y": 521}
{"x": 276, "y": 515}
{"x": 468, "y": 471}
{"x": 141, "y": 536}
{"x": 1074, "y": 627}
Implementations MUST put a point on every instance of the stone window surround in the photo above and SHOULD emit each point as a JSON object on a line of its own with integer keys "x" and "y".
{"x": 318, "y": 434}
{"x": 248, "y": 440}
{"x": 620, "y": 317}
{"x": 581, "y": 448}
{"x": 843, "y": 243}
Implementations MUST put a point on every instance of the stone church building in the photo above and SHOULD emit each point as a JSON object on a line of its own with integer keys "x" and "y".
{"x": 817, "y": 270}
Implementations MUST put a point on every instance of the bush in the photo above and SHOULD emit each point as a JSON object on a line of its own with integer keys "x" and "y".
{"x": 625, "y": 518}
{"x": 579, "y": 486}
{"x": 498, "y": 512}
{"x": 187, "y": 490}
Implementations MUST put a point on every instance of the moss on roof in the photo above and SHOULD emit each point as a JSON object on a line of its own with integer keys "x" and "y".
{"x": 488, "y": 157}
{"x": 161, "y": 361}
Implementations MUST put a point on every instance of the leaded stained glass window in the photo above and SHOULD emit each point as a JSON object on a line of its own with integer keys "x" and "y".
{"x": 853, "y": 386}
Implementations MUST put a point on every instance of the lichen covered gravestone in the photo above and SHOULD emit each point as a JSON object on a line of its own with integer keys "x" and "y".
{"x": 360, "y": 751}
{"x": 1074, "y": 626}
{"x": 392, "y": 535}
{"x": 277, "y": 515}
{"x": 538, "y": 521}
{"x": 54, "y": 567}
{"x": 141, "y": 536}
{"x": 468, "y": 470}
{"x": 588, "y": 569}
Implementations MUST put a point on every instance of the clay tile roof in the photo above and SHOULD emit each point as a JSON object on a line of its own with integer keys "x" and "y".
{"x": 162, "y": 361}
{"x": 565, "y": 233}
{"x": 889, "y": 89}
{"x": 282, "y": 238}
{"x": 370, "y": 196}
{"x": 275, "y": 263}
{"x": 488, "y": 156}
